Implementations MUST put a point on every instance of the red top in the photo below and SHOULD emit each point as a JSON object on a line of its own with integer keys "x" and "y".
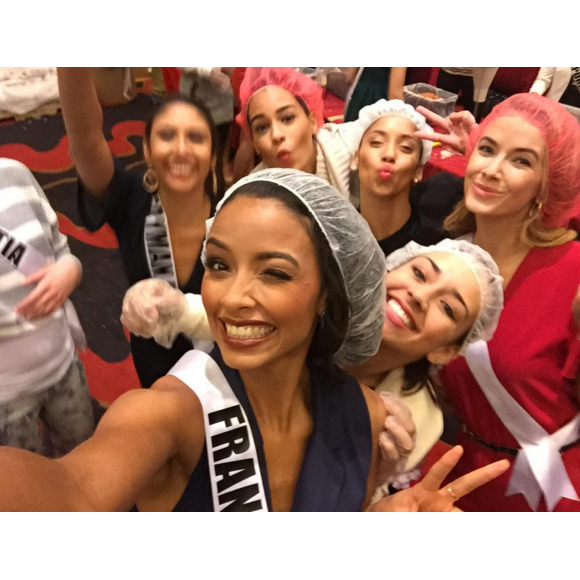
{"x": 535, "y": 354}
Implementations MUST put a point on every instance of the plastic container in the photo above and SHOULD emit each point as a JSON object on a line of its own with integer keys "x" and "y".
{"x": 444, "y": 105}
{"x": 319, "y": 73}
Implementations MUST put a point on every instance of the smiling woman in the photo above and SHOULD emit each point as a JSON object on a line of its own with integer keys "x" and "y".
{"x": 517, "y": 396}
{"x": 158, "y": 217}
{"x": 264, "y": 422}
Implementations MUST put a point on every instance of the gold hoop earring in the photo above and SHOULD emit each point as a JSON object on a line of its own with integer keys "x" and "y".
{"x": 214, "y": 182}
{"x": 150, "y": 181}
{"x": 536, "y": 210}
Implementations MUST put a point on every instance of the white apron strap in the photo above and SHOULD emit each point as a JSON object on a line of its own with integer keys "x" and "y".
{"x": 27, "y": 259}
{"x": 539, "y": 468}
{"x": 236, "y": 479}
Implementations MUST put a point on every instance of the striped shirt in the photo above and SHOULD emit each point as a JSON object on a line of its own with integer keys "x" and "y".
{"x": 35, "y": 354}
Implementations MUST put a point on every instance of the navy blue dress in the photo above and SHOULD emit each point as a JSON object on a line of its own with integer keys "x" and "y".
{"x": 336, "y": 465}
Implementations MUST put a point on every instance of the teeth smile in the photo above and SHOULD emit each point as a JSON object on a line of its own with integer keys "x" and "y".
{"x": 180, "y": 168}
{"x": 248, "y": 332}
{"x": 396, "y": 307}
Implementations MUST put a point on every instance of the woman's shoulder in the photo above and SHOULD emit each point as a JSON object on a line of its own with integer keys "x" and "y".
{"x": 561, "y": 257}
{"x": 376, "y": 409}
{"x": 177, "y": 404}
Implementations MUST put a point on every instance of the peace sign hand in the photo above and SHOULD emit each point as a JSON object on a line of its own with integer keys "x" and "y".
{"x": 459, "y": 125}
{"x": 427, "y": 495}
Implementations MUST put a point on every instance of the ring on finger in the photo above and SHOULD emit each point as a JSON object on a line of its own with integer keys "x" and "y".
{"x": 452, "y": 494}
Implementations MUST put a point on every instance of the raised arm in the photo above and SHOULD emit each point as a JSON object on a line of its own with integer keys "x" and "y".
{"x": 83, "y": 119}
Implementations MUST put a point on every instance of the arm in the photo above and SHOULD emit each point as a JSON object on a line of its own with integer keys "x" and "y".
{"x": 543, "y": 80}
{"x": 135, "y": 440}
{"x": 397, "y": 82}
{"x": 351, "y": 74}
{"x": 378, "y": 414}
{"x": 83, "y": 119}
{"x": 56, "y": 281}
{"x": 154, "y": 309}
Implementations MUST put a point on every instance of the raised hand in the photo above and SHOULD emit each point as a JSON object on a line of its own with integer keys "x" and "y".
{"x": 459, "y": 125}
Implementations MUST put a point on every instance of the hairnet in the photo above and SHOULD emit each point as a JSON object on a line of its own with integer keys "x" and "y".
{"x": 483, "y": 267}
{"x": 298, "y": 84}
{"x": 561, "y": 132}
{"x": 371, "y": 113}
{"x": 357, "y": 253}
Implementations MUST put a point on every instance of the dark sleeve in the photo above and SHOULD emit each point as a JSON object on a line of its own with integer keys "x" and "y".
{"x": 152, "y": 361}
{"x": 126, "y": 200}
{"x": 437, "y": 197}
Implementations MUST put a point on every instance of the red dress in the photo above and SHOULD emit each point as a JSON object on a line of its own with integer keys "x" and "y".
{"x": 535, "y": 354}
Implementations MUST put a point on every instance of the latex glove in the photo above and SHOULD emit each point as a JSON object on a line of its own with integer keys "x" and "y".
{"x": 154, "y": 309}
{"x": 460, "y": 125}
{"x": 397, "y": 439}
{"x": 54, "y": 284}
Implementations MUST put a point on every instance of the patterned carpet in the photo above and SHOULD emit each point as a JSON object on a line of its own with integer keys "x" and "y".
{"x": 41, "y": 144}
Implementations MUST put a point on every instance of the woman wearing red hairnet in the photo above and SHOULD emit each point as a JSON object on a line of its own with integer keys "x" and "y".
{"x": 518, "y": 398}
{"x": 281, "y": 114}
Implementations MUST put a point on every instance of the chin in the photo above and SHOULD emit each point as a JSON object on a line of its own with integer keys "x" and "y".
{"x": 181, "y": 187}
{"x": 478, "y": 208}
{"x": 244, "y": 361}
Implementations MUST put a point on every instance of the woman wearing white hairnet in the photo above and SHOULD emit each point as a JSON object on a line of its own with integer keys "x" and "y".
{"x": 266, "y": 422}
{"x": 425, "y": 324}
{"x": 401, "y": 366}
{"x": 430, "y": 319}
{"x": 390, "y": 160}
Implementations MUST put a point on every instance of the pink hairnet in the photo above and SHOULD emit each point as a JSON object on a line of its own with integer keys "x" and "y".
{"x": 561, "y": 132}
{"x": 297, "y": 83}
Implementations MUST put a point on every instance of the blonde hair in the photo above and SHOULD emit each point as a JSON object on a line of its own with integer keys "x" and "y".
{"x": 462, "y": 222}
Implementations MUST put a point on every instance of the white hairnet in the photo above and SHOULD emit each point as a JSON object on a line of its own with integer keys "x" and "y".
{"x": 357, "y": 253}
{"x": 371, "y": 113}
{"x": 483, "y": 267}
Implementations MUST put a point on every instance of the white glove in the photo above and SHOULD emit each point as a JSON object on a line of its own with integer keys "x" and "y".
{"x": 154, "y": 309}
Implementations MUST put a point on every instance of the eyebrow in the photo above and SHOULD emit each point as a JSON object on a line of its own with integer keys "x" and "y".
{"x": 217, "y": 243}
{"x": 435, "y": 266}
{"x": 280, "y": 255}
{"x": 519, "y": 149}
{"x": 385, "y": 134}
{"x": 455, "y": 293}
{"x": 278, "y": 111}
{"x": 261, "y": 256}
